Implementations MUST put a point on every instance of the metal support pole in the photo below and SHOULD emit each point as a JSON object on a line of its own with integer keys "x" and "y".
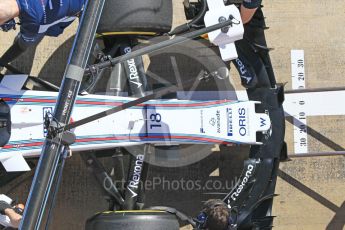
{"x": 318, "y": 154}
{"x": 46, "y": 170}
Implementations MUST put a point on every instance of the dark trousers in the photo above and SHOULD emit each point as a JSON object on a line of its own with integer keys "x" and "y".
{"x": 252, "y": 49}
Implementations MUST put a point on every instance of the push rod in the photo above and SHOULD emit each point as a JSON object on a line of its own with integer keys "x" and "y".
{"x": 155, "y": 47}
{"x": 317, "y": 154}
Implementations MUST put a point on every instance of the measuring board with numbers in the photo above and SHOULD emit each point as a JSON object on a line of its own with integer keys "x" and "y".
{"x": 299, "y": 115}
{"x": 303, "y": 102}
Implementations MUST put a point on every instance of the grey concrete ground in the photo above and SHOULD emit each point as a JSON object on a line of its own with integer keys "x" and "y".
{"x": 311, "y": 190}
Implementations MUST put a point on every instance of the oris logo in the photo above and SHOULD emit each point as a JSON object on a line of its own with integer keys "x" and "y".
{"x": 242, "y": 122}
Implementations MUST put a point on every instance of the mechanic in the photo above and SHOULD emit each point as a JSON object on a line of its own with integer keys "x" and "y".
{"x": 37, "y": 19}
{"x": 216, "y": 216}
{"x": 14, "y": 213}
{"x": 253, "y": 62}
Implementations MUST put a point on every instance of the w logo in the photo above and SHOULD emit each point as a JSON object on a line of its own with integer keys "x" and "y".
{"x": 263, "y": 122}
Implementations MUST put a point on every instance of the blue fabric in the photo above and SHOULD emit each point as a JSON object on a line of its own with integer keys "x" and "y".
{"x": 251, "y": 4}
{"x": 36, "y": 13}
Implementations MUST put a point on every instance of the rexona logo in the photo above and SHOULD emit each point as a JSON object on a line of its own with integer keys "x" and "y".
{"x": 243, "y": 183}
{"x": 133, "y": 75}
{"x": 243, "y": 70}
{"x": 242, "y": 121}
{"x": 135, "y": 179}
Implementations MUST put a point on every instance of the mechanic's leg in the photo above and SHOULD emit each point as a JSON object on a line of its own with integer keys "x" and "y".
{"x": 20, "y": 45}
{"x": 255, "y": 36}
{"x": 253, "y": 63}
{"x": 251, "y": 67}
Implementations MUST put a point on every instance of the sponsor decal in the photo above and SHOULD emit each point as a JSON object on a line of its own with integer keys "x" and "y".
{"x": 67, "y": 103}
{"x": 133, "y": 75}
{"x": 132, "y": 69}
{"x": 262, "y": 122}
{"x": 50, "y": 5}
{"x": 229, "y": 123}
{"x": 218, "y": 121}
{"x": 242, "y": 121}
{"x": 202, "y": 121}
{"x": 135, "y": 179}
{"x": 47, "y": 111}
{"x": 213, "y": 121}
{"x": 43, "y": 5}
{"x": 243, "y": 183}
{"x": 243, "y": 70}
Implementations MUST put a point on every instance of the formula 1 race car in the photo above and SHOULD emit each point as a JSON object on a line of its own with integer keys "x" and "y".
{"x": 34, "y": 122}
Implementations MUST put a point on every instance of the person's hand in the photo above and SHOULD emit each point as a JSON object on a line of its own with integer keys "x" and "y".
{"x": 9, "y": 25}
{"x": 4, "y": 206}
{"x": 15, "y": 218}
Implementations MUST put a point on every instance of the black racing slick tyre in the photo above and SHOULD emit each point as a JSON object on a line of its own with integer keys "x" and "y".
{"x": 133, "y": 16}
{"x": 133, "y": 220}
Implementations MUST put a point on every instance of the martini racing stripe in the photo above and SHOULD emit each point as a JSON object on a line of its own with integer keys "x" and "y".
{"x": 46, "y": 101}
{"x": 89, "y": 140}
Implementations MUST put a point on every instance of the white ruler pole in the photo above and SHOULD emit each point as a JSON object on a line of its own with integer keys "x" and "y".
{"x": 300, "y": 117}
